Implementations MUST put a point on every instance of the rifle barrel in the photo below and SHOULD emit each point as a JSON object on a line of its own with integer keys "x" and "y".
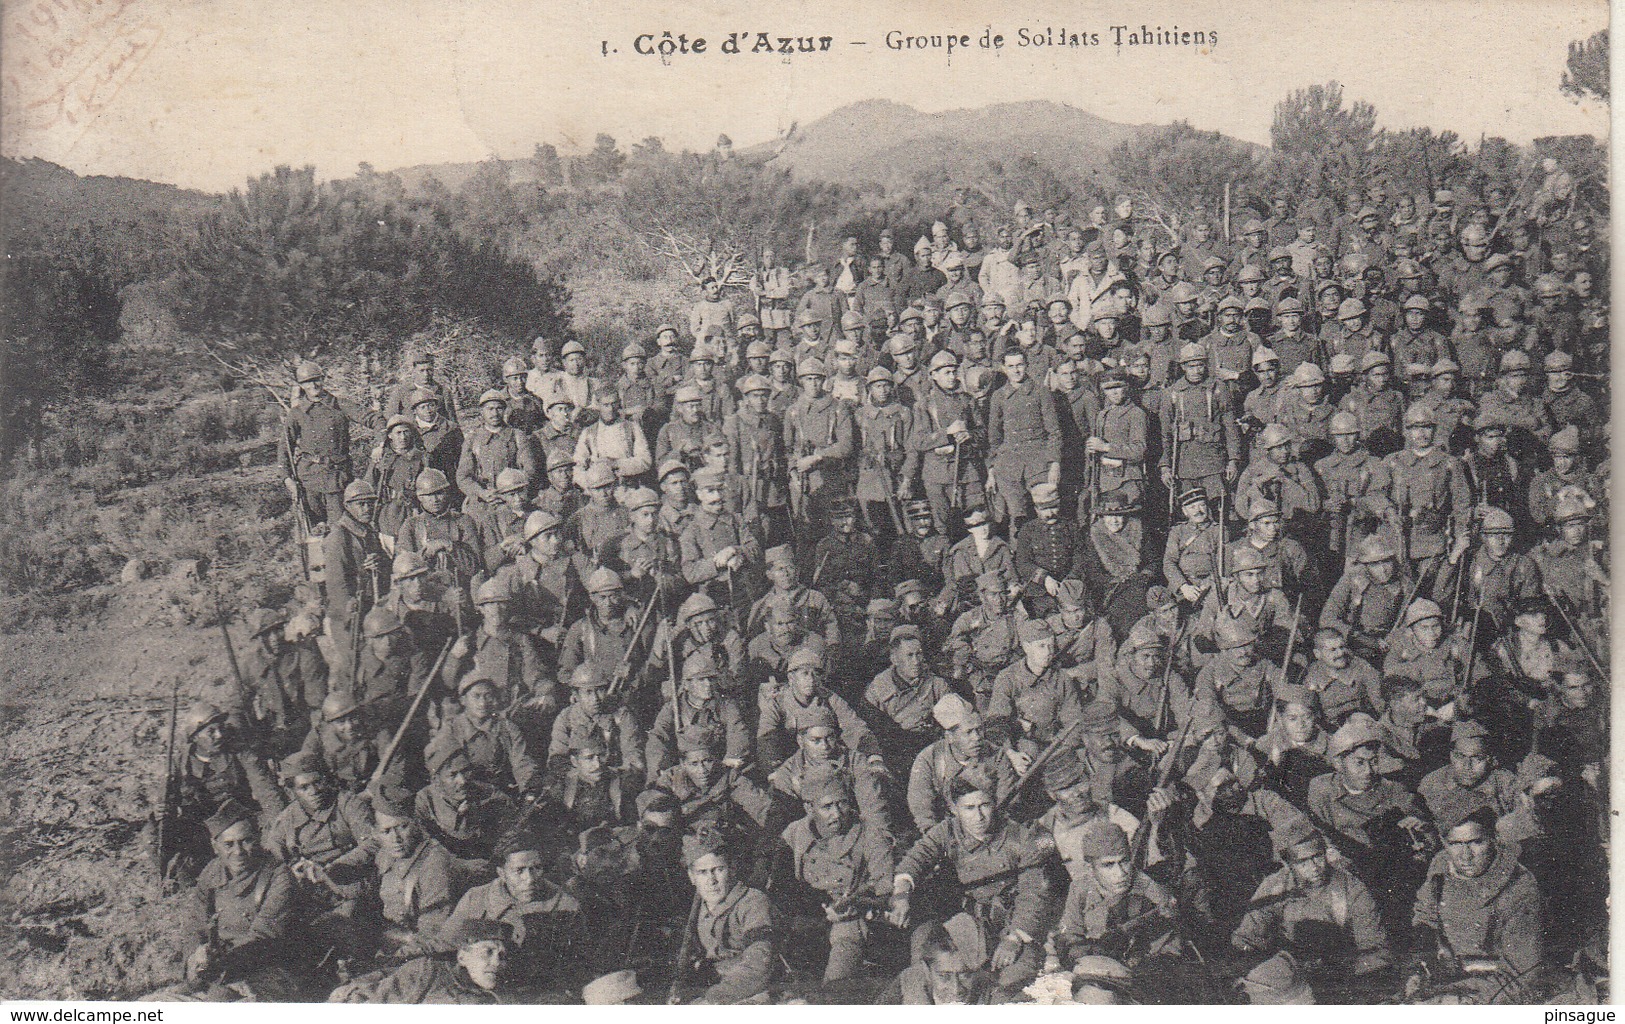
{"x": 411, "y": 713}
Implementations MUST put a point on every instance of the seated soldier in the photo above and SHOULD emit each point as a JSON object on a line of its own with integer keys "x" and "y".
{"x": 1239, "y": 679}
{"x": 1231, "y": 842}
{"x": 320, "y": 826}
{"x": 589, "y": 791}
{"x": 1033, "y": 699}
{"x": 247, "y": 947}
{"x": 983, "y": 639}
{"x": 813, "y": 610}
{"x": 737, "y": 926}
{"x": 819, "y": 751}
{"x": 1112, "y": 908}
{"x": 540, "y": 914}
{"x": 963, "y": 747}
{"x": 1375, "y": 821}
{"x": 783, "y": 708}
{"x": 711, "y": 792}
{"x": 698, "y": 704}
{"x": 1478, "y": 911}
{"x": 593, "y": 711}
{"x": 351, "y": 752}
{"x": 463, "y": 814}
{"x": 419, "y": 881}
{"x": 1342, "y": 682}
{"x": 948, "y": 968}
{"x": 843, "y": 868}
{"x": 497, "y": 753}
{"x": 1423, "y": 651}
{"x": 1317, "y": 911}
{"x": 212, "y": 771}
{"x": 903, "y": 695}
{"x": 480, "y": 975}
{"x": 1470, "y": 781}
{"x": 1294, "y": 748}
{"x": 999, "y": 866}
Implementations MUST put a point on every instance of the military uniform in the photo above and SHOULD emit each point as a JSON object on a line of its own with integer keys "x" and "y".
{"x": 1130, "y": 927}
{"x": 487, "y": 452}
{"x": 738, "y": 940}
{"x": 1191, "y": 554}
{"x": 1496, "y": 916}
{"x": 319, "y": 432}
{"x": 497, "y": 751}
{"x": 1342, "y": 902}
{"x": 1341, "y": 692}
{"x": 708, "y": 533}
{"x": 1024, "y": 440}
{"x": 254, "y": 917}
{"x": 1430, "y": 490}
{"x": 1038, "y": 708}
{"x": 934, "y": 413}
{"x": 820, "y": 426}
{"x": 1003, "y": 881}
{"x": 853, "y": 866}
{"x": 1199, "y": 433}
{"x": 980, "y": 648}
{"x": 931, "y": 779}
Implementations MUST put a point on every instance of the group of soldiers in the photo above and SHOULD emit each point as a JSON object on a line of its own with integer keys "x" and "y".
{"x": 1163, "y": 619}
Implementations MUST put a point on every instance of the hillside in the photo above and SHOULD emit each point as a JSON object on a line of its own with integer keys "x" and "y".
{"x": 39, "y": 194}
{"x": 884, "y": 142}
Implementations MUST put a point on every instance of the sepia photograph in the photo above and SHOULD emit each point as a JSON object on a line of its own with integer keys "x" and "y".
{"x": 751, "y": 503}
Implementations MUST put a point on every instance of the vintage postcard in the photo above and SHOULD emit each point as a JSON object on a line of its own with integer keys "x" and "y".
{"x": 748, "y": 503}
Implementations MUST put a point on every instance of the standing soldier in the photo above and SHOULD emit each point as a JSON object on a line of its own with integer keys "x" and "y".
{"x": 1428, "y": 489}
{"x": 1117, "y": 441}
{"x": 945, "y": 429}
{"x": 355, "y": 561}
{"x": 525, "y": 411}
{"x": 316, "y": 458}
{"x": 887, "y": 462}
{"x": 447, "y": 540}
{"x": 1023, "y": 440}
{"x": 719, "y": 554}
{"x": 1190, "y": 559}
{"x": 817, "y": 442}
{"x": 1356, "y": 484}
{"x": 493, "y": 447}
{"x": 1201, "y": 444}
{"x": 756, "y": 445}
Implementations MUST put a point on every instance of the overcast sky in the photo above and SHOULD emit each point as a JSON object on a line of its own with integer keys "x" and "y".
{"x": 205, "y": 93}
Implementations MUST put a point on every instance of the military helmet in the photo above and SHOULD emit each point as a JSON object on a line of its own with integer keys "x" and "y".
{"x": 432, "y": 481}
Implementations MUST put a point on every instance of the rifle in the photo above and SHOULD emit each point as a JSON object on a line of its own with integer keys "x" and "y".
{"x": 1165, "y": 704}
{"x": 1291, "y": 642}
{"x": 356, "y": 642}
{"x": 245, "y": 696}
{"x": 411, "y": 713}
{"x": 1472, "y": 644}
{"x": 676, "y": 690}
{"x": 301, "y": 524}
{"x": 1579, "y": 638}
{"x": 171, "y": 786}
{"x": 1036, "y": 769}
{"x": 685, "y": 950}
{"x": 1142, "y": 835}
{"x": 618, "y": 680}
{"x": 956, "y": 496}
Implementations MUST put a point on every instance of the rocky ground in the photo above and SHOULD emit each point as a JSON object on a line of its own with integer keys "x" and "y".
{"x": 83, "y": 725}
